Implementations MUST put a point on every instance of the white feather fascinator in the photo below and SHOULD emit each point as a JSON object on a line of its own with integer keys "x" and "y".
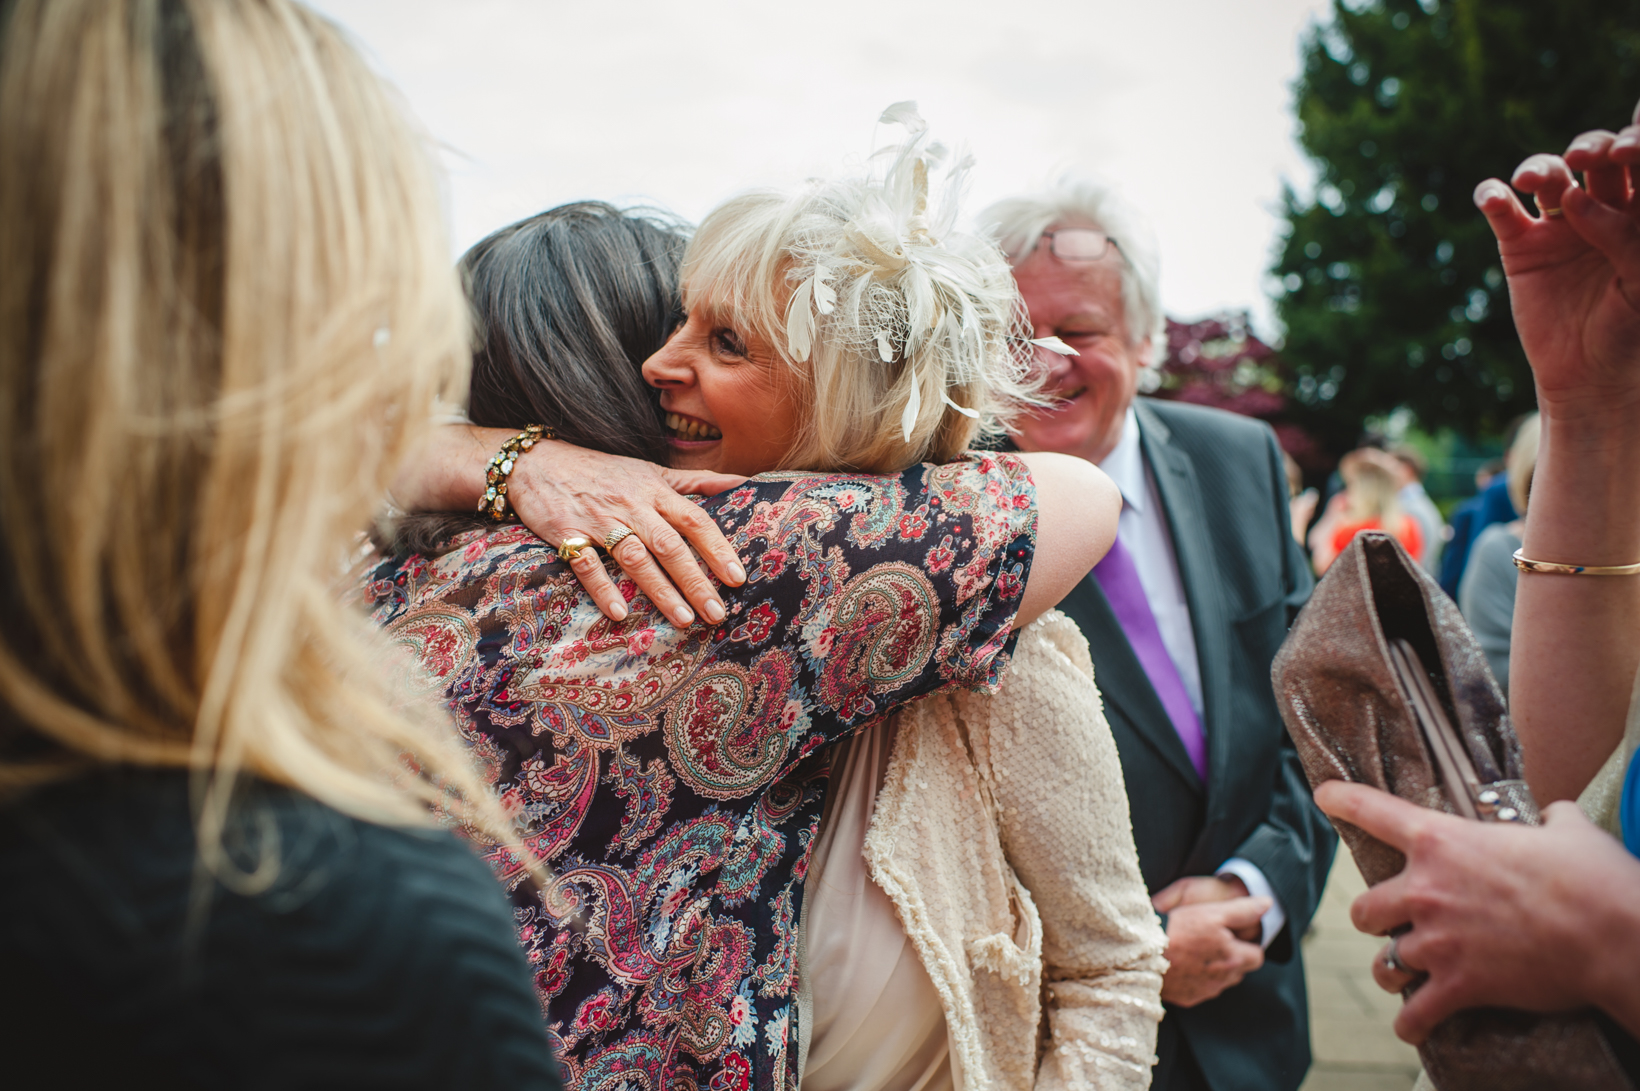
{"x": 909, "y": 332}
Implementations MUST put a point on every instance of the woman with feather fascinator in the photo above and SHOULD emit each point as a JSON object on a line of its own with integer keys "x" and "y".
{"x": 864, "y": 828}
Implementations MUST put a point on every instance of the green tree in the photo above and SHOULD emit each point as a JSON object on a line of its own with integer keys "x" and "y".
{"x": 1390, "y": 286}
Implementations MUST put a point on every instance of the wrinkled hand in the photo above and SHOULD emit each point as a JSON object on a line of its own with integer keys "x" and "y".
{"x": 561, "y": 491}
{"x": 1574, "y": 279}
{"x": 1212, "y": 936}
{"x": 1500, "y": 914}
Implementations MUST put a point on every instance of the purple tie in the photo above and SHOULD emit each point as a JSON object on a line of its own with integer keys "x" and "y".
{"x": 1119, "y": 578}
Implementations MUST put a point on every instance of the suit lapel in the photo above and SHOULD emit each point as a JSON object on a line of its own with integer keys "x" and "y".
{"x": 1198, "y": 570}
{"x": 1121, "y": 678}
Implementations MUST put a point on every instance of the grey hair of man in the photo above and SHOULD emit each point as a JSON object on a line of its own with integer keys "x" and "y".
{"x": 1016, "y": 224}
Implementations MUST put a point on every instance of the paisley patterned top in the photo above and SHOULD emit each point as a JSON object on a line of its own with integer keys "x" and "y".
{"x": 673, "y": 778}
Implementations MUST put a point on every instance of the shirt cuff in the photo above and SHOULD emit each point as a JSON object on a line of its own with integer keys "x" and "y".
{"x": 1275, "y": 918}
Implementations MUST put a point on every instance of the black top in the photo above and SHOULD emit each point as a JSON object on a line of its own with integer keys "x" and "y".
{"x": 380, "y": 957}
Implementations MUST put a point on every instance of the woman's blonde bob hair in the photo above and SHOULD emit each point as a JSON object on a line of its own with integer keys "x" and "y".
{"x": 227, "y": 311}
{"x": 1370, "y": 489}
{"x": 907, "y": 337}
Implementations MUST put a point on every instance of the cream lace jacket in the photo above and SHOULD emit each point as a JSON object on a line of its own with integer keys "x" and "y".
{"x": 1002, "y": 835}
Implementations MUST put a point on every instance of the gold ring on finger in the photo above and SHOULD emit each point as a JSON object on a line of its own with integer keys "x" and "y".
{"x": 570, "y": 548}
{"x": 616, "y": 537}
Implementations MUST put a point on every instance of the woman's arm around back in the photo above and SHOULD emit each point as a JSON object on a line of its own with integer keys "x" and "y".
{"x": 1077, "y": 510}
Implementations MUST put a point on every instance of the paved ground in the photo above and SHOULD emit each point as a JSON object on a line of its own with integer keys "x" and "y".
{"x": 1350, "y": 1017}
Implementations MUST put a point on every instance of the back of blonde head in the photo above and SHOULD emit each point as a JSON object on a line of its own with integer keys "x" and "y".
{"x": 907, "y": 336}
{"x": 1370, "y": 488}
{"x": 227, "y": 310}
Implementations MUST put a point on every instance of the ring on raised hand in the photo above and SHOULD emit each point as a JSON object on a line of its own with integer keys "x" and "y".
{"x": 570, "y": 548}
{"x": 616, "y": 537}
{"x": 1392, "y": 958}
{"x": 1551, "y": 211}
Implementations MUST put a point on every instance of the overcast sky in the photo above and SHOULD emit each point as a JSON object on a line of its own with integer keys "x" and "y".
{"x": 1186, "y": 104}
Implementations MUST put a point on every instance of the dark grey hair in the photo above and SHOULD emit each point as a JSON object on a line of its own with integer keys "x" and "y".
{"x": 568, "y": 304}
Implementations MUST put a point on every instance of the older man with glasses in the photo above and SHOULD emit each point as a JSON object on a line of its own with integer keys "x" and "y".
{"x": 1183, "y": 617}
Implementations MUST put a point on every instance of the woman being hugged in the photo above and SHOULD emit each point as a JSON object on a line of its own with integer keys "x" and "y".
{"x": 225, "y": 316}
{"x": 675, "y": 777}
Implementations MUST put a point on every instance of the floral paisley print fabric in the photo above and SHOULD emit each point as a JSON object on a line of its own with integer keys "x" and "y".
{"x": 673, "y": 778}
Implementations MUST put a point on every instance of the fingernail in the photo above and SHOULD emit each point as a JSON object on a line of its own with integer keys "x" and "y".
{"x": 618, "y": 611}
{"x": 684, "y": 616}
{"x": 713, "y": 611}
{"x": 737, "y": 573}
{"x": 1532, "y": 164}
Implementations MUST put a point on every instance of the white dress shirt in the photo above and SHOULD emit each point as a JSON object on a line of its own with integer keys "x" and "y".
{"x": 1143, "y": 530}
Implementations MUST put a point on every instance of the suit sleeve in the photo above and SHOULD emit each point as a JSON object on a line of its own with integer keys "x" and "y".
{"x": 1293, "y": 846}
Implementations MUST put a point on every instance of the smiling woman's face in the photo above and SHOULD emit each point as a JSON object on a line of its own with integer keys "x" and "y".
{"x": 730, "y": 402}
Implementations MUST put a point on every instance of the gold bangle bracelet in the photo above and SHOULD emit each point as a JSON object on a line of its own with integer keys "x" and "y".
{"x": 493, "y": 501}
{"x": 1526, "y": 564}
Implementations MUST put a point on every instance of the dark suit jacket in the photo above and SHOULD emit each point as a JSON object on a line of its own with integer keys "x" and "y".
{"x": 1224, "y": 492}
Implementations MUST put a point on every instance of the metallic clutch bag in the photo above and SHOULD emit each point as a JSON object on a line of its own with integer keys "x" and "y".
{"x": 1381, "y": 682}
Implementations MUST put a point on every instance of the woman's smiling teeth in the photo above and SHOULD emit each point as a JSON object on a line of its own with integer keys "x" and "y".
{"x": 690, "y": 428}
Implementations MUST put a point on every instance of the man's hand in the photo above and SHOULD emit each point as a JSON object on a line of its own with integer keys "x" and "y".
{"x": 1212, "y": 936}
{"x": 1537, "y": 918}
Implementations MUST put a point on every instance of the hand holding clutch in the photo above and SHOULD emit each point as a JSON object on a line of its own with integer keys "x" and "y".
{"x": 1381, "y": 683}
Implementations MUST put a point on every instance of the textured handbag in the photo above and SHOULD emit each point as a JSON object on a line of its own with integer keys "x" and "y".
{"x": 1380, "y": 682}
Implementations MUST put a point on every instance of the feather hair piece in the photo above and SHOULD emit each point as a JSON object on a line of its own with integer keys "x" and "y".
{"x": 1054, "y": 344}
{"x": 905, "y": 113}
{"x": 880, "y": 274}
{"x": 799, "y": 322}
{"x": 885, "y": 349}
{"x": 913, "y": 406}
{"x": 825, "y": 296}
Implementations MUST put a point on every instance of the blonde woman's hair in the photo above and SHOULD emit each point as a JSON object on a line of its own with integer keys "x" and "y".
{"x": 1371, "y": 489}
{"x": 906, "y": 337}
{"x": 1521, "y": 461}
{"x": 227, "y": 311}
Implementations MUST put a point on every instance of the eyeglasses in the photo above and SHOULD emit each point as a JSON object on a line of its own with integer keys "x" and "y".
{"x": 1079, "y": 243}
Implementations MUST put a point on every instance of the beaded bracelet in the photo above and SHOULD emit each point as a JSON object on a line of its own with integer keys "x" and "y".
{"x": 494, "y": 501}
{"x": 1555, "y": 568}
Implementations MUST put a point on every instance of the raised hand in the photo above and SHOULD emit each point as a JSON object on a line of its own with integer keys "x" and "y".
{"x": 1574, "y": 270}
